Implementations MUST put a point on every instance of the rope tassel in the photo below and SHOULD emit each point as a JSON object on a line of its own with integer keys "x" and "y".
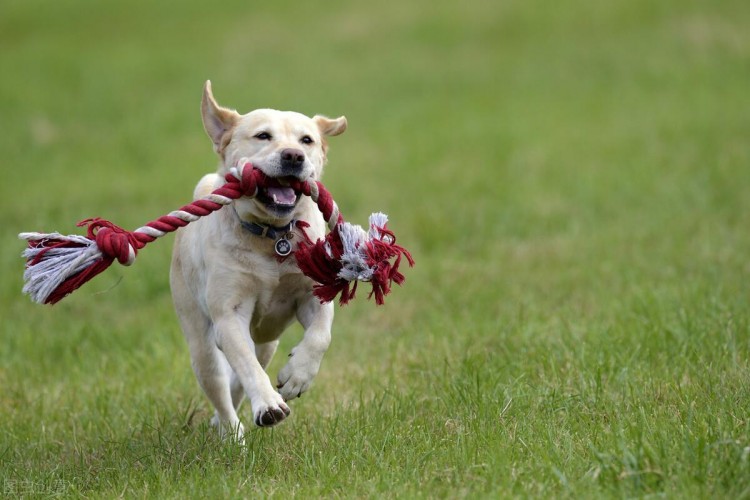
{"x": 57, "y": 265}
{"x": 348, "y": 255}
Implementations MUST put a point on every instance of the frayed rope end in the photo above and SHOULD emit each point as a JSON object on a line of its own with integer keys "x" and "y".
{"x": 52, "y": 259}
{"x": 348, "y": 255}
{"x": 57, "y": 265}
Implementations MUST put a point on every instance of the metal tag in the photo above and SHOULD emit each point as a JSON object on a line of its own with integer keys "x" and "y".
{"x": 283, "y": 247}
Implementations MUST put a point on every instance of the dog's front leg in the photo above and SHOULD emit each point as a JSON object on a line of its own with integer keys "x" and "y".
{"x": 233, "y": 339}
{"x": 305, "y": 358}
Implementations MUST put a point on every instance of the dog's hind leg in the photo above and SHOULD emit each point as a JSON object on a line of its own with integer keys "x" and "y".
{"x": 237, "y": 391}
{"x": 264, "y": 352}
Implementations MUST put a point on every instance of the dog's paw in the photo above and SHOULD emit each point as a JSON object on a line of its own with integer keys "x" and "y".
{"x": 234, "y": 432}
{"x": 297, "y": 375}
{"x": 271, "y": 415}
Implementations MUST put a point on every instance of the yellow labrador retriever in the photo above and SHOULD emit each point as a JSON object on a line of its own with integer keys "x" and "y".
{"x": 233, "y": 294}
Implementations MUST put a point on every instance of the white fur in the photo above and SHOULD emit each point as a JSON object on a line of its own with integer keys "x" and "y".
{"x": 232, "y": 296}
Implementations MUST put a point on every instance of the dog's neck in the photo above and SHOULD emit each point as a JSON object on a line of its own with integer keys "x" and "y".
{"x": 281, "y": 236}
{"x": 265, "y": 230}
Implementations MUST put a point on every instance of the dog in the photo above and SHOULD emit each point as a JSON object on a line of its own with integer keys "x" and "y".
{"x": 234, "y": 296}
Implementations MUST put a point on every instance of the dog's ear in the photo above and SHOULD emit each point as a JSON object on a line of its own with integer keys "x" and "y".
{"x": 217, "y": 120}
{"x": 328, "y": 126}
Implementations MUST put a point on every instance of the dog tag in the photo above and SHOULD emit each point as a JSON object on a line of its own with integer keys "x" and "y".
{"x": 283, "y": 247}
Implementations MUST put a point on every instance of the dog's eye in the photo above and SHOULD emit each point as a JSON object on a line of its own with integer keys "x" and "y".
{"x": 263, "y": 136}
{"x": 306, "y": 139}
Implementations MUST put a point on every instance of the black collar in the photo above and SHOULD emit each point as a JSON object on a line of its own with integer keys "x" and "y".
{"x": 266, "y": 230}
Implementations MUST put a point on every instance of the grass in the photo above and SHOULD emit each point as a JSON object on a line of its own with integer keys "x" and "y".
{"x": 572, "y": 179}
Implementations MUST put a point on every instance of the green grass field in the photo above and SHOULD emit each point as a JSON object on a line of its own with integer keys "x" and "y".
{"x": 572, "y": 178}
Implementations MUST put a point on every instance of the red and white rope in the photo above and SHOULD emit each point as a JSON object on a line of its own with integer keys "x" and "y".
{"x": 57, "y": 265}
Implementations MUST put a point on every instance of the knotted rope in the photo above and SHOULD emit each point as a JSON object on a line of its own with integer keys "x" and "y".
{"x": 57, "y": 265}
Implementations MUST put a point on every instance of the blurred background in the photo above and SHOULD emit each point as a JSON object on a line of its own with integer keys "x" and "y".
{"x": 475, "y": 123}
{"x": 560, "y": 171}
{"x": 539, "y": 155}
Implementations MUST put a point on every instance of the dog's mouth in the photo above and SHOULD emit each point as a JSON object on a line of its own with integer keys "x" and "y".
{"x": 279, "y": 197}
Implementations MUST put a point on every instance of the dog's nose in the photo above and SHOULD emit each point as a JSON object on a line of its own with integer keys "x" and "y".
{"x": 292, "y": 159}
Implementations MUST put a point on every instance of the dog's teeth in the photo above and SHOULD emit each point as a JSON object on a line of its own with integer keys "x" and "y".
{"x": 281, "y": 196}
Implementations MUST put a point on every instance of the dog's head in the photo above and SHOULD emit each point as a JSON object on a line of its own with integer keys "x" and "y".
{"x": 282, "y": 144}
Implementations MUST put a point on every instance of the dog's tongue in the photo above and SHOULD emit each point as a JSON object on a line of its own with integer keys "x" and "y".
{"x": 282, "y": 195}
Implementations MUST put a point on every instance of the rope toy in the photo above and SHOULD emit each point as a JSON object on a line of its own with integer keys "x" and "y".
{"x": 57, "y": 265}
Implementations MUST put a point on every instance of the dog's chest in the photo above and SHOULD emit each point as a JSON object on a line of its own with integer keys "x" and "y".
{"x": 276, "y": 307}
